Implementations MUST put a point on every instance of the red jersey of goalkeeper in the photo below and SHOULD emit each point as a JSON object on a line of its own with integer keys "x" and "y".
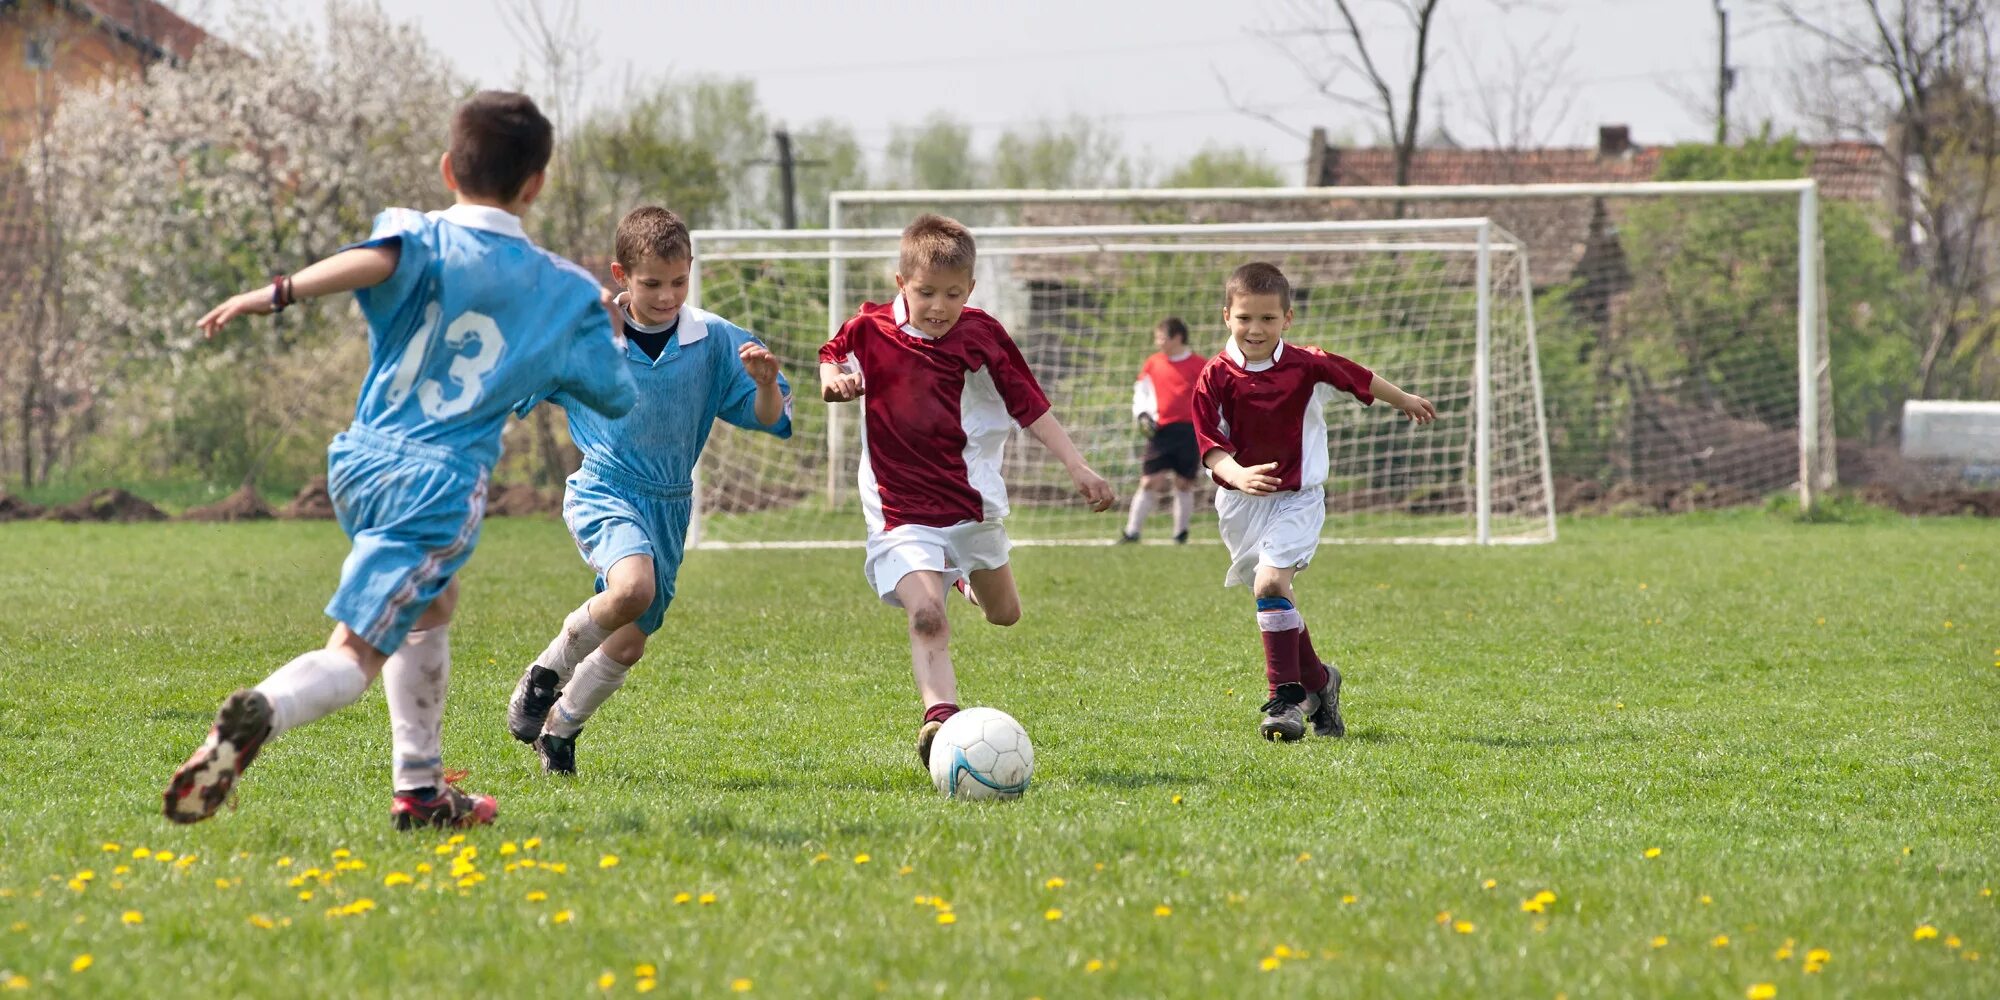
{"x": 1165, "y": 390}
{"x": 1274, "y": 410}
{"x": 936, "y": 414}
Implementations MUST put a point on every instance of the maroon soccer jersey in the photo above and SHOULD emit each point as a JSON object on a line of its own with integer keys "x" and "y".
{"x": 1275, "y": 410}
{"x": 1165, "y": 390}
{"x": 935, "y": 415}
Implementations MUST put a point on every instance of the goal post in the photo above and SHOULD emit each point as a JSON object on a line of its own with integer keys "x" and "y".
{"x": 1687, "y": 333}
{"x": 1442, "y": 306}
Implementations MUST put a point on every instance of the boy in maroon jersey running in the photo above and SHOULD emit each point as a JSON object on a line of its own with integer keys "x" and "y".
{"x": 1260, "y": 419}
{"x": 944, "y": 386}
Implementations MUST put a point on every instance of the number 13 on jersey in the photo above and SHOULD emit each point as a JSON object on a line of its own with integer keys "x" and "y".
{"x": 466, "y": 369}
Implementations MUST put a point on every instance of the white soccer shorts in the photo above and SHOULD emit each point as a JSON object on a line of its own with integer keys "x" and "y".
{"x": 1280, "y": 530}
{"x": 953, "y": 552}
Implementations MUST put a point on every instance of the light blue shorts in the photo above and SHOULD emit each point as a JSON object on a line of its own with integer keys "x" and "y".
{"x": 413, "y": 512}
{"x": 613, "y": 516}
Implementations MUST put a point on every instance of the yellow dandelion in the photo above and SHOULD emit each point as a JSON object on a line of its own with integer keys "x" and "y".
{"x": 644, "y": 986}
{"x": 1052, "y": 914}
{"x": 531, "y": 843}
{"x": 739, "y": 985}
{"x": 261, "y": 921}
{"x": 529, "y": 863}
{"x": 141, "y": 853}
{"x": 1952, "y": 942}
{"x": 1652, "y": 852}
{"x": 1532, "y": 906}
{"x": 1163, "y": 910}
{"x": 77, "y": 885}
{"x": 1489, "y": 883}
{"x": 1304, "y": 857}
{"x": 706, "y": 899}
{"x": 111, "y": 848}
{"x": 682, "y": 897}
{"x": 1284, "y": 951}
{"x": 423, "y": 868}
{"x": 132, "y": 917}
{"x": 608, "y": 861}
{"x": 1268, "y": 964}
{"x": 396, "y": 878}
{"x": 81, "y": 962}
{"x": 606, "y": 981}
{"x": 1177, "y": 800}
{"x": 1720, "y": 941}
{"x": 1443, "y": 917}
{"x": 284, "y": 862}
{"x": 1545, "y": 897}
{"x": 1906, "y": 851}
{"x": 121, "y": 870}
{"x": 305, "y": 895}
{"x": 342, "y": 852}
{"x": 1819, "y": 956}
{"x": 564, "y": 916}
{"x": 455, "y": 839}
{"x": 18, "y": 927}
{"x": 1097, "y": 867}
{"x": 905, "y": 870}
{"x": 222, "y": 883}
{"x": 1970, "y": 956}
{"x": 645, "y": 970}
{"x": 1782, "y": 954}
{"x": 1660, "y": 941}
{"x": 1054, "y": 883}
{"x": 469, "y": 852}
{"x": 821, "y": 856}
{"x": 947, "y": 918}
{"x": 18, "y": 982}
{"x": 1707, "y": 899}
{"x": 1347, "y": 900}
{"x": 1761, "y": 991}
{"x": 1465, "y": 927}
{"x": 558, "y": 867}
{"x": 163, "y": 856}
{"x": 1093, "y": 965}
{"x": 442, "y": 849}
{"x": 509, "y": 848}
{"x": 1925, "y": 933}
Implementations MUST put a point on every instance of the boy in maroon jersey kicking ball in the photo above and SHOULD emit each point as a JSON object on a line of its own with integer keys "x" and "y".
{"x": 1259, "y": 415}
{"x": 944, "y": 386}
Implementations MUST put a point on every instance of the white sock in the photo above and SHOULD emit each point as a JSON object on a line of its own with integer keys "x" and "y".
{"x": 312, "y": 687}
{"x": 580, "y": 636}
{"x": 1142, "y": 505}
{"x": 597, "y": 679}
{"x": 1183, "y": 510}
{"x": 415, "y": 680}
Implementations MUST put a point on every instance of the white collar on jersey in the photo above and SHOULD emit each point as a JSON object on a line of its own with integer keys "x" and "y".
{"x": 1182, "y": 356}
{"x": 1236, "y": 354}
{"x": 693, "y": 322}
{"x": 903, "y": 321}
{"x": 492, "y": 220}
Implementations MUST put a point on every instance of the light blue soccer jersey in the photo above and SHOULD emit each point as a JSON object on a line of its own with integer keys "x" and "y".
{"x": 475, "y": 319}
{"x": 634, "y": 494}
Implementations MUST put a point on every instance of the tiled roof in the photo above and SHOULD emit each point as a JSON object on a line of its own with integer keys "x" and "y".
{"x": 147, "y": 24}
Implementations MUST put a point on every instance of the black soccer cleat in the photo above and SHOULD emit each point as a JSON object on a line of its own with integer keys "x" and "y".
{"x": 204, "y": 783}
{"x": 533, "y": 697}
{"x": 1325, "y": 716}
{"x": 558, "y": 753}
{"x": 1181, "y": 538}
{"x": 1127, "y": 538}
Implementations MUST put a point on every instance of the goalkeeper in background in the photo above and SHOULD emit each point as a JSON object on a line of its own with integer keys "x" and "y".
{"x": 628, "y": 507}
{"x": 1259, "y": 415}
{"x": 1163, "y": 403}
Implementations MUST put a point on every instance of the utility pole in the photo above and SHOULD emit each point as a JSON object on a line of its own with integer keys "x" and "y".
{"x": 1725, "y": 77}
{"x": 788, "y": 165}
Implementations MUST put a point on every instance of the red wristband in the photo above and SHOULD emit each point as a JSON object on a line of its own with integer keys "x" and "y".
{"x": 279, "y": 298}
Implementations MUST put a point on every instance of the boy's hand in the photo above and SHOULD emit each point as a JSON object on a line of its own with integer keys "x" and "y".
{"x": 1094, "y": 488}
{"x": 842, "y": 388}
{"x": 1417, "y": 408}
{"x": 1256, "y": 480}
{"x": 256, "y": 302}
{"x": 617, "y": 323}
{"x": 759, "y": 362}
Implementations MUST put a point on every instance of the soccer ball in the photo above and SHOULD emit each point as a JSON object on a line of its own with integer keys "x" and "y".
{"x": 982, "y": 753}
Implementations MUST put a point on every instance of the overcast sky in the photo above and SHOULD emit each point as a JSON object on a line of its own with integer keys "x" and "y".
{"x": 1147, "y": 67}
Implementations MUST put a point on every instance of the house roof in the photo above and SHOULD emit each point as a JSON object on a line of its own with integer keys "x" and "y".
{"x": 146, "y": 24}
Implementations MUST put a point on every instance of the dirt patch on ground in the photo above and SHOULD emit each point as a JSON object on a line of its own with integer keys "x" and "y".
{"x": 521, "y": 500}
{"x": 243, "y": 505}
{"x": 107, "y": 505}
{"x": 1586, "y": 496}
{"x": 313, "y": 503}
{"x": 13, "y": 508}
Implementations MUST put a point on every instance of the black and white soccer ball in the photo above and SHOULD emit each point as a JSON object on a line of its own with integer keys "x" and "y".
{"x": 982, "y": 753}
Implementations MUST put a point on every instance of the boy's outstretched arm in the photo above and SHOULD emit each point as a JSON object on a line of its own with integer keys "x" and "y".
{"x": 836, "y": 386}
{"x": 1251, "y": 480}
{"x": 1049, "y": 431}
{"x": 345, "y": 271}
{"x": 1415, "y": 407}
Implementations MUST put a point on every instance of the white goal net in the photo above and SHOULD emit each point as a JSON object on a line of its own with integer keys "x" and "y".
{"x": 1441, "y": 307}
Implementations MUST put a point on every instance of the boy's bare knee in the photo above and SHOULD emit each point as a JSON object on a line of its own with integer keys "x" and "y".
{"x": 929, "y": 622}
{"x": 1003, "y": 616}
{"x": 628, "y": 599}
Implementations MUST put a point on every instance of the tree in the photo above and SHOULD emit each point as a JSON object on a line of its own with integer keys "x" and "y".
{"x": 934, "y": 155}
{"x": 1925, "y": 73}
{"x": 1217, "y": 166}
{"x": 1074, "y": 153}
{"x": 1330, "y": 49}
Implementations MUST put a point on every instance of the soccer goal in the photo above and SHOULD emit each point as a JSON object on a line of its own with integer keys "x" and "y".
{"x": 1682, "y": 328}
{"x": 1440, "y": 306}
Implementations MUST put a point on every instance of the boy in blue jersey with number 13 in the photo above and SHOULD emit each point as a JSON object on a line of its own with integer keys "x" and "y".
{"x": 466, "y": 318}
{"x": 628, "y": 507}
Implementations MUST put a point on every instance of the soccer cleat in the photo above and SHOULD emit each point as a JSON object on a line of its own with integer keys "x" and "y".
{"x": 1127, "y": 538}
{"x": 1325, "y": 712}
{"x": 927, "y": 733}
{"x": 1181, "y": 538}
{"x": 450, "y": 806}
{"x": 1283, "y": 720}
{"x": 204, "y": 783}
{"x": 533, "y": 697}
{"x": 558, "y": 752}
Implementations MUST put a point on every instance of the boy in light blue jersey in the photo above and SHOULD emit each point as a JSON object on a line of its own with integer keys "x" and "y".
{"x": 466, "y": 317}
{"x": 628, "y": 507}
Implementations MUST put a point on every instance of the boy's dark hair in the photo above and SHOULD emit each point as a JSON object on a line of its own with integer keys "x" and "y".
{"x": 1173, "y": 327}
{"x": 650, "y": 230}
{"x": 935, "y": 243}
{"x": 499, "y": 139}
{"x": 1259, "y": 278}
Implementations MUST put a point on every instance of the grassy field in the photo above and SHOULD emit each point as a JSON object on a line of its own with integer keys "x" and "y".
{"x": 1734, "y": 749}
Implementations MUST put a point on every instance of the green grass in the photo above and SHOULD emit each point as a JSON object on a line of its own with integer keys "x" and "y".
{"x": 1780, "y": 708}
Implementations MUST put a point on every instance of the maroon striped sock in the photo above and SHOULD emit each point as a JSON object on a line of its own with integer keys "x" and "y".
{"x": 1312, "y": 673}
{"x": 941, "y": 711}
